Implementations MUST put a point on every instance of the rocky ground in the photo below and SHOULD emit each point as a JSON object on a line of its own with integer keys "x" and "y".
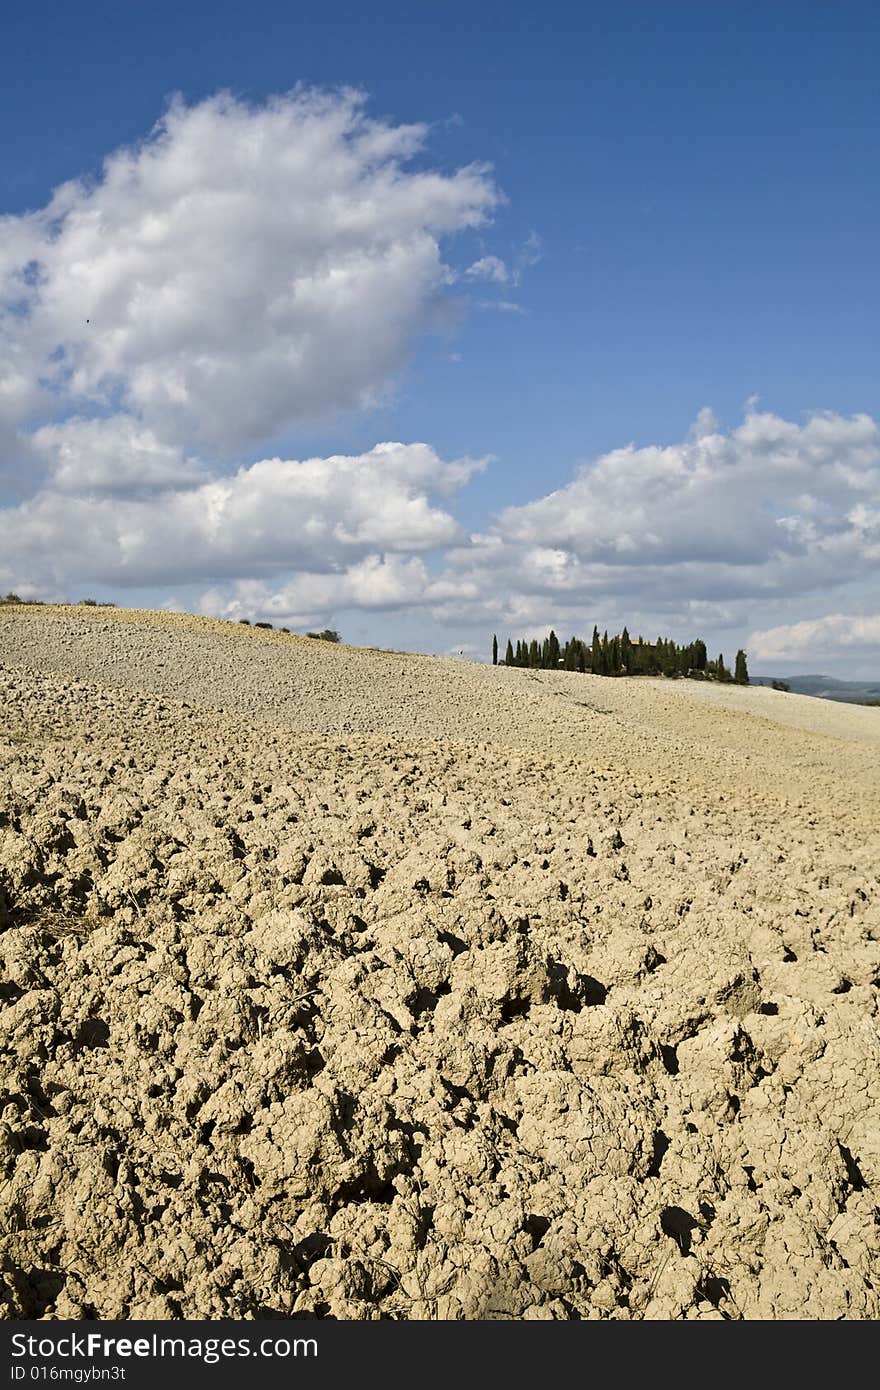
{"x": 340, "y": 983}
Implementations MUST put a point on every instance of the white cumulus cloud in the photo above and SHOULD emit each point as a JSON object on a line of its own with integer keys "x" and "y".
{"x": 819, "y": 639}
{"x": 242, "y": 269}
{"x": 727, "y": 521}
{"x": 316, "y": 516}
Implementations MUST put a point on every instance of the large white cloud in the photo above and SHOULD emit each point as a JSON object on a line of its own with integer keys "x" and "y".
{"x": 244, "y": 268}
{"x": 709, "y": 528}
{"x": 768, "y": 488}
{"x": 819, "y": 639}
{"x": 316, "y": 516}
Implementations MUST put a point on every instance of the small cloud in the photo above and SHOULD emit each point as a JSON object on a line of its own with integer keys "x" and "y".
{"x": 490, "y": 268}
{"x": 531, "y": 253}
{"x": 705, "y": 424}
{"x": 495, "y": 271}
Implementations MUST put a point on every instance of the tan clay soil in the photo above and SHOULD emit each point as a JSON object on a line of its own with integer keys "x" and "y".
{"x": 352, "y": 984}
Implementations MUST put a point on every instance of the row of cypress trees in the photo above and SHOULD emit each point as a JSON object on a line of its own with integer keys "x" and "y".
{"x": 621, "y": 656}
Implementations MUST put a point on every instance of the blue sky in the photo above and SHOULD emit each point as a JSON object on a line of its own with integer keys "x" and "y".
{"x": 689, "y": 215}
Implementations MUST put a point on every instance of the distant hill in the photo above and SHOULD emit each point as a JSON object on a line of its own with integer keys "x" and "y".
{"x": 827, "y": 688}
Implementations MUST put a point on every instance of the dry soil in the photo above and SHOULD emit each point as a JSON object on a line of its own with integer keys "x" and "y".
{"x": 353, "y": 984}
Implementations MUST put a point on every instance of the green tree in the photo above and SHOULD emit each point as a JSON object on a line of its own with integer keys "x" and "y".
{"x": 508, "y": 655}
{"x": 494, "y": 649}
{"x": 596, "y": 654}
{"x": 741, "y": 670}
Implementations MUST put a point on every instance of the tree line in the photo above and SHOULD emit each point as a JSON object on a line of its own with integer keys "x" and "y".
{"x": 622, "y": 655}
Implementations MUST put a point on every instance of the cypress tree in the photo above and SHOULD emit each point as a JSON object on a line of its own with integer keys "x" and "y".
{"x": 596, "y": 654}
{"x": 508, "y": 655}
{"x": 534, "y": 655}
{"x": 552, "y": 651}
{"x": 494, "y": 649}
{"x": 604, "y": 657}
{"x": 741, "y": 670}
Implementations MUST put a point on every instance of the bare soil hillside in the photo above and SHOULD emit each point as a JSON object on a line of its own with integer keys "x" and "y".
{"x": 352, "y": 984}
